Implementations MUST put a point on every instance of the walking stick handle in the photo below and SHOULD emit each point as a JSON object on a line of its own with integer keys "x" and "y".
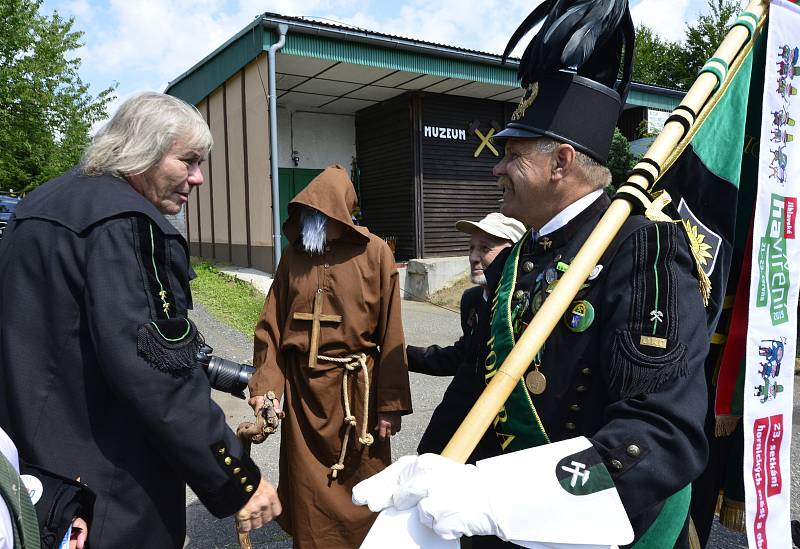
{"x": 266, "y": 423}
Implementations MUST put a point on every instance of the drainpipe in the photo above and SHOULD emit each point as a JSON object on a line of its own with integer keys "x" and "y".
{"x": 273, "y": 144}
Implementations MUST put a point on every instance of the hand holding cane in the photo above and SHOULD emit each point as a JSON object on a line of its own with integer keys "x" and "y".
{"x": 255, "y": 432}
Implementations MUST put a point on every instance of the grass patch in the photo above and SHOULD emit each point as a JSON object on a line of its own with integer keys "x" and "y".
{"x": 235, "y": 302}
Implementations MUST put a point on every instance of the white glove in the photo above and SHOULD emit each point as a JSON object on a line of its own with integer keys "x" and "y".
{"x": 452, "y": 500}
{"x": 457, "y": 502}
{"x": 501, "y": 495}
{"x": 382, "y": 490}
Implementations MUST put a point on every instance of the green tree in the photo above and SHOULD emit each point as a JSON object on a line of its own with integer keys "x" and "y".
{"x": 656, "y": 59}
{"x": 620, "y": 160}
{"x": 703, "y": 37}
{"x": 676, "y": 64}
{"x": 46, "y": 110}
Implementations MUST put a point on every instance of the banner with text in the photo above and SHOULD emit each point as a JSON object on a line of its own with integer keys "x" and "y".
{"x": 772, "y": 325}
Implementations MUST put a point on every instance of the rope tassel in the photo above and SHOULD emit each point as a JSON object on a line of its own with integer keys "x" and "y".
{"x": 351, "y": 364}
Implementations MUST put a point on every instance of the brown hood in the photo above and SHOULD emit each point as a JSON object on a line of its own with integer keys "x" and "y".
{"x": 331, "y": 193}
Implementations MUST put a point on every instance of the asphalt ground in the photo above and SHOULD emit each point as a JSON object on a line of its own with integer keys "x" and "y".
{"x": 424, "y": 325}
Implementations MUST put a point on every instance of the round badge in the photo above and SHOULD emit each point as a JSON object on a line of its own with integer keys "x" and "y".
{"x": 595, "y": 272}
{"x": 535, "y": 382}
{"x": 580, "y": 316}
{"x": 34, "y": 487}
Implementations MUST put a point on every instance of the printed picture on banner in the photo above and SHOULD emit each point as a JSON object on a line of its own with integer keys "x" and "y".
{"x": 770, "y": 353}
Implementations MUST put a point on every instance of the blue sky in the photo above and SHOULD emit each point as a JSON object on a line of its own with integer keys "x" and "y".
{"x": 143, "y": 44}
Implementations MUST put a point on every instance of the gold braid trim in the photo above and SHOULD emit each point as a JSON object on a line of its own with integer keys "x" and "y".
{"x": 351, "y": 363}
{"x": 732, "y": 514}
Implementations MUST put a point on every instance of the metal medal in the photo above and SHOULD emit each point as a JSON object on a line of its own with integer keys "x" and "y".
{"x": 535, "y": 381}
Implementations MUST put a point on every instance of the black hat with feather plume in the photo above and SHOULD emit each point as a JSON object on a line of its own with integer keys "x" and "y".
{"x": 569, "y": 73}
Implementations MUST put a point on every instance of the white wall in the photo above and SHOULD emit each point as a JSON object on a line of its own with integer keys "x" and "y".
{"x": 320, "y": 139}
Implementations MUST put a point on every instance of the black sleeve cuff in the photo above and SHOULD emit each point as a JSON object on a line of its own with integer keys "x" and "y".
{"x": 244, "y": 477}
{"x": 416, "y": 359}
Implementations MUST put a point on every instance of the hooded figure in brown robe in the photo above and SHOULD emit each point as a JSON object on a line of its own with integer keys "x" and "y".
{"x": 331, "y": 438}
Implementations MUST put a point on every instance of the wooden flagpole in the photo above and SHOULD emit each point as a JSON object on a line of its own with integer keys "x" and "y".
{"x": 508, "y": 376}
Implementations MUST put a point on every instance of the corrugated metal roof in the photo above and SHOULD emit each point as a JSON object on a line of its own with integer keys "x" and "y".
{"x": 347, "y": 44}
{"x": 373, "y": 35}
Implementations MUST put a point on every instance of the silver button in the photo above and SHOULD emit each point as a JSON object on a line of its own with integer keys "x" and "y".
{"x": 527, "y": 266}
{"x": 575, "y": 408}
{"x": 616, "y": 464}
{"x": 581, "y": 388}
{"x": 633, "y": 451}
{"x": 586, "y": 371}
{"x": 569, "y": 426}
{"x": 519, "y": 294}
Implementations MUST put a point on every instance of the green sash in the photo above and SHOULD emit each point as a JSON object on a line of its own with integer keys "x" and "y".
{"x": 518, "y": 426}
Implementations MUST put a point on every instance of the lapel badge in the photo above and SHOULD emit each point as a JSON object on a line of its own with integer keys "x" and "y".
{"x": 580, "y": 317}
{"x": 550, "y": 275}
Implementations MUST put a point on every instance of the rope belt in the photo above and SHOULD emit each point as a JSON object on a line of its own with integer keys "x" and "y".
{"x": 351, "y": 363}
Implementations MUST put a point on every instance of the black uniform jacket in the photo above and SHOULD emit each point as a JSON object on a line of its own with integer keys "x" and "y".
{"x": 97, "y": 377}
{"x": 631, "y": 380}
{"x": 463, "y": 360}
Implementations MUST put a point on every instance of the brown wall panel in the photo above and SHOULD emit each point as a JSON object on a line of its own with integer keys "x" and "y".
{"x": 453, "y": 159}
{"x": 204, "y": 225}
{"x": 385, "y": 159}
{"x": 263, "y": 258}
{"x": 448, "y": 201}
{"x": 456, "y": 184}
{"x": 193, "y": 226}
{"x": 260, "y": 191}
{"x": 236, "y": 161}
{"x": 219, "y": 176}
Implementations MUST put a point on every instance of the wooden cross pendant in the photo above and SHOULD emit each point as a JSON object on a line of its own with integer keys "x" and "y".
{"x": 315, "y": 317}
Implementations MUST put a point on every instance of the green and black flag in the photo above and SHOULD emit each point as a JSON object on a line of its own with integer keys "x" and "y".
{"x": 711, "y": 178}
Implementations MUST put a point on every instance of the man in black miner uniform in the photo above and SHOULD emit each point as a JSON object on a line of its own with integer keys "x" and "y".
{"x": 97, "y": 356}
{"x": 604, "y": 434}
{"x": 464, "y": 359}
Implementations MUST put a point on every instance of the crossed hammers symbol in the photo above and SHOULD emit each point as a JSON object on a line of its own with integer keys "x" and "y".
{"x": 474, "y": 129}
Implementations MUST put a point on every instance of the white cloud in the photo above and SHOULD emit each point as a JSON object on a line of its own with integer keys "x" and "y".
{"x": 666, "y": 17}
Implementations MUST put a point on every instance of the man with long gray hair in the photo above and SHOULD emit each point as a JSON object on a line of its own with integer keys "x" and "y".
{"x": 97, "y": 354}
